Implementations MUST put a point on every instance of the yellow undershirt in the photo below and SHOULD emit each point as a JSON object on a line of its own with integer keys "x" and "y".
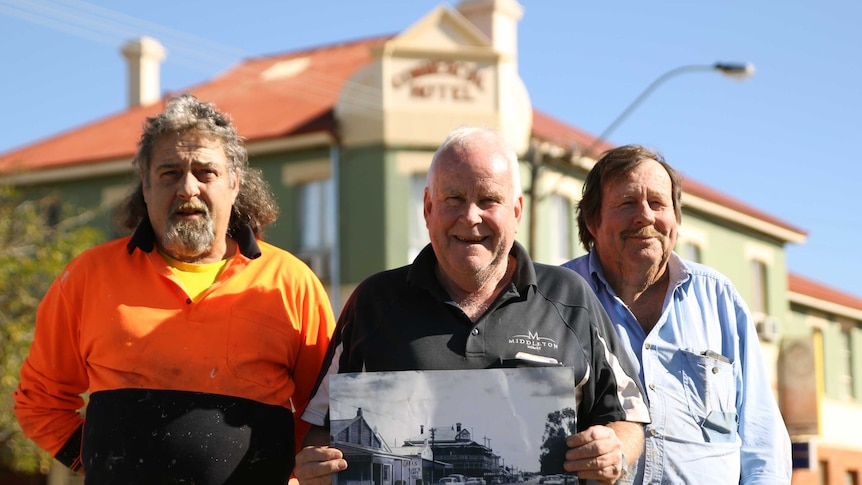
{"x": 196, "y": 278}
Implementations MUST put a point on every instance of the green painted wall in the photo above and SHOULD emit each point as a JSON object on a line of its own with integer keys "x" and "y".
{"x": 362, "y": 208}
{"x": 725, "y": 250}
{"x": 856, "y": 346}
{"x": 284, "y": 233}
{"x": 85, "y": 195}
{"x": 796, "y": 322}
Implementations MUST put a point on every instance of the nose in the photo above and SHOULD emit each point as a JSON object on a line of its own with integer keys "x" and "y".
{"x": 188, "y": 187}
{"x": 644, "y": 214}
{"x": 472, "y": 214}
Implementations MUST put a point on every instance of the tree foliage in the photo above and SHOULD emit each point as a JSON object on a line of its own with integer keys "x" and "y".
{"x": 559, "y": 426}
{"x": 38, "y": 237}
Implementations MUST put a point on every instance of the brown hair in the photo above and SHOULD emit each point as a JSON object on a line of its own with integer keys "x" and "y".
{"x": 612, "y": 166}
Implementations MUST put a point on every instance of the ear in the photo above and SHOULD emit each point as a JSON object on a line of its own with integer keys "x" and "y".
{"x": 519, "y": 208}
{"x": 236, "y": 184}
{"x": 144, "y": 190}
{"x": 426, "y": 205}
{"x": 592, "y": 228}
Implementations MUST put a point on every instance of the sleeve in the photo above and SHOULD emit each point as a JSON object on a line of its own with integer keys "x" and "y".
{"x": 616, "y": 391}
{"x": 53, "y": 378}
{"x": 317, "y": 412}
{"x": 765, "y": 452}
{"x": 318, "y": 324}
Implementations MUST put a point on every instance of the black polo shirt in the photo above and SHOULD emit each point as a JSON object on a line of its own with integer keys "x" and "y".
{"x": 402, "y": 319}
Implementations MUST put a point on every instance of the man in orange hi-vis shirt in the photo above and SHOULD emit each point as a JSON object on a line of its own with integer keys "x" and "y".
{"x": 198, "y": 343}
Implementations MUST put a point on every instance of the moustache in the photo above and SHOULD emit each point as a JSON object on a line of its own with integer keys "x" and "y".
{"x": 185, "y": 206}
{"x": 643, "y": 232}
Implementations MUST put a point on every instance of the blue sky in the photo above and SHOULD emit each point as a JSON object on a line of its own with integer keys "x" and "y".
{"x": 780, "y": 141}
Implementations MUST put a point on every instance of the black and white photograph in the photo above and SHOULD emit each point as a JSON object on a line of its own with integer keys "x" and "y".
{"x": 460, "y": 427}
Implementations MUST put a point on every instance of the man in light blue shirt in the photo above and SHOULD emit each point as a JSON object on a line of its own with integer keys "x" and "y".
{"x": 689, "y": 333}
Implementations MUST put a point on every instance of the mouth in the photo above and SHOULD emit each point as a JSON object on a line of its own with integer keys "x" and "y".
{"x": 188, "y": 212}
{"x": 641, "y": 235}
{"x": 470, "y": 239}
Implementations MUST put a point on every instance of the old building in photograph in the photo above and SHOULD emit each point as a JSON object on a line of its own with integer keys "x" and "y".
{"x": 371, "y": 460}
{"x": 457, "y": 446}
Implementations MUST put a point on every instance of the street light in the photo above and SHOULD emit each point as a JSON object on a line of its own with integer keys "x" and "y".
{"x": 730, "y": 69}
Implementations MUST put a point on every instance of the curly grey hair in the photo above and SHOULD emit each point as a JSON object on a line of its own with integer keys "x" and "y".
{"x": 255, "y": 205}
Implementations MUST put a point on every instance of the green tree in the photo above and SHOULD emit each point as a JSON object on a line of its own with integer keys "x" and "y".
{"x": 38, "y": 237}
{"x": 559, "y": 426}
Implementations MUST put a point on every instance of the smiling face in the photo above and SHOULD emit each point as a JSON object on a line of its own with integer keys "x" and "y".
{"x": 637, "y": 226}
{"x": 189, "y": 193}
{"x": 472, "y": 213}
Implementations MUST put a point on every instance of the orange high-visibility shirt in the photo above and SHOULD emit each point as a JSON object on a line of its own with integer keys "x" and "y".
{"x": 117, "y": 320}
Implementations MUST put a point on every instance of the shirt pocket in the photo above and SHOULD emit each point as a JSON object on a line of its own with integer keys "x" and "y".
{"x": 711, "y": 395}
{"x": 261, "y": 348}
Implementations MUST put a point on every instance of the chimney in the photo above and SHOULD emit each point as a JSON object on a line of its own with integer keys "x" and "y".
{"x": 143, "y": 56}
{"x": 458, "y": 427}
{"x": 498, "y": 19}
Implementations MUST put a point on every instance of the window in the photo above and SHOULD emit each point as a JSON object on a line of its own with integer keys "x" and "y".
{"x": 691, "y": 243}
{"x": 316, "y": 215}
{"x": 846, "y": 355}
{"x": 759, "y": 287}
{"x": 690, "y": 250}
{"x": 559, "y": 231}
{"x": 418, "y": 232}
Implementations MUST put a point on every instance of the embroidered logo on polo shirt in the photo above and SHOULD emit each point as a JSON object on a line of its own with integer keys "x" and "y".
{"x": 533, "y": 341}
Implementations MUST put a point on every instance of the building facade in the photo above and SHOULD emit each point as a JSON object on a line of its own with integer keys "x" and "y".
{"x": 344, "y": 134}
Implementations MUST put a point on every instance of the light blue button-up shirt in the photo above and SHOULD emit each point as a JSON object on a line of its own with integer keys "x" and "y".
{"x": 714, "y": 416}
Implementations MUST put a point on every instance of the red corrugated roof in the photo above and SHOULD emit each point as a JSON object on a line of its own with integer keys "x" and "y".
{"x": 265, "y": 104}
{"x": 262, "y": 107}
{"x": 808, "y": 287}
{"x": 698, "y": 189}
{"x": 550, "y": 129}
{"x": 547, "y": 128}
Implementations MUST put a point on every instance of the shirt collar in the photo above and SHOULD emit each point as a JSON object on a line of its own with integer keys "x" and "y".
{"x": 144, "y": 238}
{"x": 422, "y": 272}
{"x": 679, "y": 272}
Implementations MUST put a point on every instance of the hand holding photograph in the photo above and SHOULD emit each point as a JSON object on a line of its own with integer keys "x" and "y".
{"x": 459, "y": 427}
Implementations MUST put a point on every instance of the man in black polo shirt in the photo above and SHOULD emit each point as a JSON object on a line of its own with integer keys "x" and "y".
{"x": 473, "y": 299}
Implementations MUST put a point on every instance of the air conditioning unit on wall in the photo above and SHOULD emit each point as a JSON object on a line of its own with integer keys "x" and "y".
{"x": 768, "y": 328}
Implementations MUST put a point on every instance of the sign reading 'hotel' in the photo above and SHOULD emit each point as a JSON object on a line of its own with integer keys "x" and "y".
{"x": 447, "y": 80}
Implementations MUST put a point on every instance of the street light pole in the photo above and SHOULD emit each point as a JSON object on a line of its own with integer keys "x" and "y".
{"x": 731, "y": 69}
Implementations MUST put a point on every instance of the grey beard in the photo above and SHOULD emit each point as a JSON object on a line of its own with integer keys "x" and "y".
{"x": 186, "y": 240}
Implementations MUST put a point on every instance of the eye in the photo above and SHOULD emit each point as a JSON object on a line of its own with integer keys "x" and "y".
{"x": 205, "y": 174}
{"x": 657, "y": 205}
{"x": 169, "y": 174}
{"x": 489, "y": 201}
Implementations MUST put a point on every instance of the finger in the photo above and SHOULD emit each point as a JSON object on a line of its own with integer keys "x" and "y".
{"x": 603, "y": 468}
{"x": 316, "y": 464}
{"x": 320, "y": 468}
{"x": 311, "y": 454}
{"x": 594, "y": 435}
{"x": 604, "y": 475}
